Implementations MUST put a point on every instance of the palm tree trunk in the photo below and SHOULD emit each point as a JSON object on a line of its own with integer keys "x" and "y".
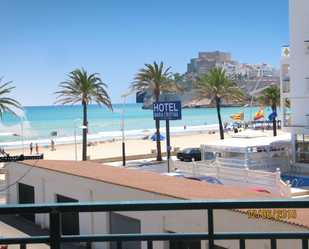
{"x": 159, "y": 156}
{"x": 274, "y": 127}
{"x": 85, "y": 132}
{"x": 219, "y": 118}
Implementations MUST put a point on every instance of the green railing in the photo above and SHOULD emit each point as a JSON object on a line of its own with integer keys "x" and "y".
{"x": 55, "y": 239}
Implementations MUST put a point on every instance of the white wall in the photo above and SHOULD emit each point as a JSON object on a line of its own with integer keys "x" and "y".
{"x": 299, "y": 62}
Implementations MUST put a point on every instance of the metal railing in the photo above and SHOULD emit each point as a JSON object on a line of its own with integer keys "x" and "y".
{"x": 56, "y": 238}
{"x": 286, "y": 86}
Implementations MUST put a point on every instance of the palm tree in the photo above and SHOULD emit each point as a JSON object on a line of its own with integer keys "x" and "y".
{"x": 270, "y": 97}
{"x": 83, "y": 88}
{"x": 153, "y": 78}
{"x": 4, "y": 101}
{"x": 216, "y": 86}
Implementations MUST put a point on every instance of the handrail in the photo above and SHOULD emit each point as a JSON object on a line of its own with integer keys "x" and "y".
{"x": 293, "y": 181}
{"x": 302, "y": 182}
{"x": 54, "y": 210}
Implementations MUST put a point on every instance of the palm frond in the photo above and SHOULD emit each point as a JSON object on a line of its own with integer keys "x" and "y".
{"x": 6, "y": 102}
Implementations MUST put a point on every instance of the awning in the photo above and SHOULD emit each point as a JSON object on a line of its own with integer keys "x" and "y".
{"x": 241, "y": 145}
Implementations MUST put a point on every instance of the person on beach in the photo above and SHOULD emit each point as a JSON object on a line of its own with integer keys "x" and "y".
{"x": 52, "y": 145}
{"x": 37, "y": 148}
{"x": 31, "y": 148}
{"x": 185, "y": 127}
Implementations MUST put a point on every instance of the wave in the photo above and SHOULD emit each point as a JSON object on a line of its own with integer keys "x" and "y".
{"x": 108, "y": 135}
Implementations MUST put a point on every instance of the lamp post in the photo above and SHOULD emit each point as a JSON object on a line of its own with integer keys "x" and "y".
{"x": 122, "y": 127}
{"x": 81, "y": 127}
{"x": 22, "y": 131}
{"x": 253, "y": 94}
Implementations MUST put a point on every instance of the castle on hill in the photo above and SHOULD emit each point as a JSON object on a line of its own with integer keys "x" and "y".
{"x": 206, "y": 60}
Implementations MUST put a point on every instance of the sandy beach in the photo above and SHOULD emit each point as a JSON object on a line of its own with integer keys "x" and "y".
{"x": 106, "y": 149}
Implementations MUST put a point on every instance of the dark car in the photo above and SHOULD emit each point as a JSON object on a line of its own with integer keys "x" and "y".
{"x": 208, "y": 179}
{"x": 189, "y": 153}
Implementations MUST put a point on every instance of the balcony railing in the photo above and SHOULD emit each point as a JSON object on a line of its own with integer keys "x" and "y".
{"x": 285, "y": 51}
{"x": 286, "y": 86}
{"x": 287, "y": 120}
{"x": 56, "y": 238}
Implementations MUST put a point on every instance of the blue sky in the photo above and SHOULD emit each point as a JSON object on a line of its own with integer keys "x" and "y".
{"x": 42, "y": 41}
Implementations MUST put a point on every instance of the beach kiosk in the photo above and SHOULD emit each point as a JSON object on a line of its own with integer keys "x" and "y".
{"x": 256, "y": 152}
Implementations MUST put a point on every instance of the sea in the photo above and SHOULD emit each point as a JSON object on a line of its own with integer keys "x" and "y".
{"x": 40, "y": 124}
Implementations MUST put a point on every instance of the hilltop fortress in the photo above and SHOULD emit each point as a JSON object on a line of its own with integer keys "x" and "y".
{"x": 206, "y": 60}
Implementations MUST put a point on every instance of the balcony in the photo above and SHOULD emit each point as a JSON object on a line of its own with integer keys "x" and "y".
{"x": 285, "y": 51}
{"x": 259, "y": 205}
{"x": 286, "y": 86}
{"x": 287, "y": 119}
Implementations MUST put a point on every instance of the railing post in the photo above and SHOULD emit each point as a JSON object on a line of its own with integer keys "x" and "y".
{"x": 88, "y": 245}
{"x": 192, "y": 168}
{"x": 288, "y": 189}
{"x": 23, "y": 246}
{"x": 245, "y": 176}
{"x": 242, "y": 244}
{"x": 278, "y": 177}
{"x": 305, "y": 243}
{"x": 273, "y": 244}
{"x": 217, "y": 171}
{"x": 211, "y": 227}
{"x": 149, "y": 244}
{"x": 55, "y": 230}
{"x": 119, "y": 245}
{"x": 289, "y": 159}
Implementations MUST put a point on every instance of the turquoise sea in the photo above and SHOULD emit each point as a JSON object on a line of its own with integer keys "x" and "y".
{"x": 103, "y": 124}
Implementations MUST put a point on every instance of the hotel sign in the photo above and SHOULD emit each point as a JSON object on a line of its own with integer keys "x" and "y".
{"x": 170, "y": 110}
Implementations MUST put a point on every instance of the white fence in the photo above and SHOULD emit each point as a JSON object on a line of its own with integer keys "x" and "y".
{"x": 256, "y": 164}
{"x": 237, "y": 177}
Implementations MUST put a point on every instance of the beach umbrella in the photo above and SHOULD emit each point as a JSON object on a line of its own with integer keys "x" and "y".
{"x": 154, "y": 137}
{"x": 226, "y": 123}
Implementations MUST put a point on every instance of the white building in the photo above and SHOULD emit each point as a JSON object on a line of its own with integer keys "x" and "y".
{"x": 266, "y": 70}
{"x": 51, "y": 181}
{"x": 296, "y": 88}
{"x": 230, "y": 68}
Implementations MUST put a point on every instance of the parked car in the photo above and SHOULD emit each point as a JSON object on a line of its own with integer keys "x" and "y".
{"x": 259, "y": 190}
{"x": 174, "y": 174}
{"x": 189, "y": 153}
{"x": 208, "y": 179}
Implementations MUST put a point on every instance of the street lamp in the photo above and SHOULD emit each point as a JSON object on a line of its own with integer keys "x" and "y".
{"x": 22, "y": 131}
{"x": 81, "y": 127}
{"x": 253, "y": 95}
{"x": 123, "y": 145}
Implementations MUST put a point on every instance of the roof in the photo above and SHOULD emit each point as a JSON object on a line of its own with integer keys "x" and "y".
{"x": 174, "y": 187}
{"x": 249, "y": 134}
{"x": 240, "y": 145}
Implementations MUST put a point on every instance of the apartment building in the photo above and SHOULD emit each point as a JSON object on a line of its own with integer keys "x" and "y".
{"x": 295, "y": 88}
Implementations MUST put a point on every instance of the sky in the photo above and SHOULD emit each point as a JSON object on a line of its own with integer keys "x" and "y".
{"x": 41, "y": 42}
